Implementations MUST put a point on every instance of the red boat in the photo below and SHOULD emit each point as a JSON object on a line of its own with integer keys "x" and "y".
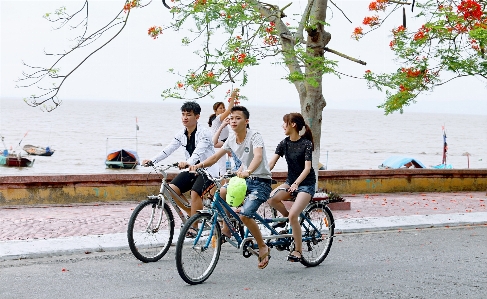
{"x": 15, "y": 161}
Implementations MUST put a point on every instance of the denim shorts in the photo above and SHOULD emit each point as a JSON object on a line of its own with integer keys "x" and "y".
{"x": 310, "y": 189}
{"x": 257, "y": 194}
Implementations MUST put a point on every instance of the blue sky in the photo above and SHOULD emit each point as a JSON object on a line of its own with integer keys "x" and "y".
{"x": 134, "y": 66}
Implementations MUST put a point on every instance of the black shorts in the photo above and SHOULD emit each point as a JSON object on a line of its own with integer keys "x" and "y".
{"x": 186, "y": 181}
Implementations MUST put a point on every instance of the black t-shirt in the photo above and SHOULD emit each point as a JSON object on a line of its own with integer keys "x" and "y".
{"x": 190, "y": 141}
{"x": 296, "y": 153}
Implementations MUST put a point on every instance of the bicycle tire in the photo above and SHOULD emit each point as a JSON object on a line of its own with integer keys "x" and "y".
{"x": 148, "y": 240}
{"x": 316, "y": 249}
{"x": 194, "y": 262}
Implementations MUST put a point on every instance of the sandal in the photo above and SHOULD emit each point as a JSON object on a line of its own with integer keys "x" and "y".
{"x": 191, "y": 233}
{"x": 293, "y": 259}
{"x": 261, "y": 258}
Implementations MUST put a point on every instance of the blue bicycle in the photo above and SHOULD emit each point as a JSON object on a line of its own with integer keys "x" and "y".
{"x": 197, "y": 255}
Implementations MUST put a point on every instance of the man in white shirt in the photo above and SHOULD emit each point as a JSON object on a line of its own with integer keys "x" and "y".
{"x": 198, "y": 145}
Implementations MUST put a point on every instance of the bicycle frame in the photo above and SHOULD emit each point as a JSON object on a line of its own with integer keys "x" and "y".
{"x": 166, "y": 192}
{"x": 218, "y": 208}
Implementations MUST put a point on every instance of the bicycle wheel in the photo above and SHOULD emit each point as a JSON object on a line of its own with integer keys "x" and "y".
{"x": 316, "y": 247}
{"x": 197, "y": 256}
{"x": 150, "y": 231}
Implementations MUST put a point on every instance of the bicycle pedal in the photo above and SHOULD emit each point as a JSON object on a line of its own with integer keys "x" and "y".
{"x": 284, "y": 232}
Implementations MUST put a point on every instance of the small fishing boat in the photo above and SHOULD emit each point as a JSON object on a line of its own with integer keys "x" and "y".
{"x": 12, "y": 160}
{"x": 122, "y": 159}
{"x": 38, "y": 151}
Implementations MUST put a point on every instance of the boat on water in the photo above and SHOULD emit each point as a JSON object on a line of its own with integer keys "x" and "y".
{"x": 15, "y": 160}
{"x": 38, "y": 150}
{"x": 122, "y": 159}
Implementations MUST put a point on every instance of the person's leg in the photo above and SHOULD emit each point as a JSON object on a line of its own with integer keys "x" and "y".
{"x": 201, "y": 185}
{"x": 255, "y": 231}
{"x": 223, "y": 195}
{"x": 277, "y": 196}
{"x": 302, "y": 200}
{"x": 181, "y": 184}
{"x": 258, "y": 193}
{"x": 178, "y": 192}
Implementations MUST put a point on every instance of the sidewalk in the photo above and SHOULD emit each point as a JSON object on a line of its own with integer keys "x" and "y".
{"x": 43, "y": 230}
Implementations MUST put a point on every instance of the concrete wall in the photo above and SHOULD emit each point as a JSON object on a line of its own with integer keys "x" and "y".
{"x": 65, "y": 189}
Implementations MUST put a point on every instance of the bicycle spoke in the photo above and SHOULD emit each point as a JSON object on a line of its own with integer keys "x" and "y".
{"x": 317, "y": 238}
{"x": 150, "y": 231}
{"x": 198, "y": 250}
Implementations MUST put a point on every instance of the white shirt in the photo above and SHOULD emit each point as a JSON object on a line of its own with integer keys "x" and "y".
{"x": 204, "y": 148}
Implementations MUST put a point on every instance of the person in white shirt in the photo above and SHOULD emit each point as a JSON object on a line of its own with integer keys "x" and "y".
{"x": 215, "y": 121}
{"x": 197, "y": 143}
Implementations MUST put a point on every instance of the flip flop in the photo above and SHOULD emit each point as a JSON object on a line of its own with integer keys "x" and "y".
{"x": 293, "y": 258}
{"x": 266, "y": 255}
{"x": 191, "y": 233}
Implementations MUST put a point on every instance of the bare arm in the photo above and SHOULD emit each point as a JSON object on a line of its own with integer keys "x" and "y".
{"x": 302, "y": 176}
{"x": 273, "y": 161}
{"x": 230, "y": 105}
{"x": 253, "y": 165}
{"x": 216, "y": 142}
{"x": 210, "y": 161}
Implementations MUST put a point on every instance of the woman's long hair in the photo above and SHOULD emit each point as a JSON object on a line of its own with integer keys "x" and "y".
{"x": 213, "y": 116}
{"x": 298, "y": 119}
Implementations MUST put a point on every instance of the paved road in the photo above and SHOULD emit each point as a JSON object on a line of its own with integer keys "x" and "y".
{"x": 41, "y": 230}
{"x": 419, "y": 263}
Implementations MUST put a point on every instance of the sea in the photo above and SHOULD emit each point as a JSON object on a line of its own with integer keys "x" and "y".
{"x": 82, "y": 132}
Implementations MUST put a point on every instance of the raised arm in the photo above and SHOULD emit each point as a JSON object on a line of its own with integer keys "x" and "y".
{"x": 216, "y": 142}
{"x": 225, "y": 114}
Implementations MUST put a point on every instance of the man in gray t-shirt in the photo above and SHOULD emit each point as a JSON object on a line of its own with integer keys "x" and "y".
{"x": 249, "y": 148}
{"x": 245, "y": 152}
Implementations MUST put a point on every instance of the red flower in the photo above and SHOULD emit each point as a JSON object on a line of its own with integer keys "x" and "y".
{"x": 378, "y": 5}
{"x": 421, "y": 33}
{"x": 210, "y": 74}
{"x": 367, "y": 71}
{"x": 398, "y": 30}
{"x": 357, "y": 32}
{"x": 180, "y": 85}
{"x": 241, "y": 57}
{"x": 470, "y": 9}
{"x": 371, "y": 21}
{"x": 154, "y": 31}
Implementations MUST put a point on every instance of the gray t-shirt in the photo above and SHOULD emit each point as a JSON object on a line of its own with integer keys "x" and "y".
{"x": 245, "y": 152}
